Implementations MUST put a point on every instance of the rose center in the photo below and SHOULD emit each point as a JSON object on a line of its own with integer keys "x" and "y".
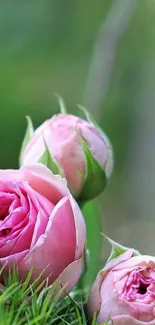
{"x": 5, "y": 232}
{"x": 2, "y": 217}
{"x": 4, "y": 212}
{"x": 143, "y": 288}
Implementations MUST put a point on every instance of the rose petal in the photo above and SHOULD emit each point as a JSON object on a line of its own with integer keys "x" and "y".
{"x": 128, "y": 320}
{"x": 119, "y": 260}
{"x": 36, "y": 146}
{"x": 10, "y": 237}
{"x": 94, "y": 300}
{"x": 144, "y": 311}
{"x": 54, "y": 250}
{"x": 24, "y": 240}
{"x": 69, "y": 277}
{"x": 53, "y": 187}
{"x": 12, "y": 260}
{"x": 42, "y": 180}
{"x": 111, "y": 304}
{"x": 80, "y": 228}
{"x": 45, "y": 208}
{"x": 142, "y": 260}
{"x": 10, "y": 175}
{"x": 19, "y": 243}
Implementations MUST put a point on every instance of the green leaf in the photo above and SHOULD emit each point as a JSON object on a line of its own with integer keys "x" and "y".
{"x": 95, "y": 179}
{"x": 62, "y": 105}
{"x": 94, "y": 321}
{"x": 118, "y": 249}
{"x": 18, "y": 306}
{"x": 85, "y": 259}
{"x": 47, "y": 160}
{"x": 28, "y": 136}
{"x": 107, "y": 321}
{"x": 9, "y": 292}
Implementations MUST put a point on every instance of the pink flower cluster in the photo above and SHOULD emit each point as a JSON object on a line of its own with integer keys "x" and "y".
{"x": 41, "y": 224}
{"x": 42, "y": 227}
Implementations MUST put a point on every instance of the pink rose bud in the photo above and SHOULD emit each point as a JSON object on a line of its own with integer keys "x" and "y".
{"x": 81, "y": 150}
{"x": 41, "y": 226}
{"x": 124, "y": 291}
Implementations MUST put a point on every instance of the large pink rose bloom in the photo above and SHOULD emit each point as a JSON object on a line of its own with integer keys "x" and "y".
{"x": 125, "y": 291}
{"x": 41, "y": 225}
{"x": 61, "y": 135}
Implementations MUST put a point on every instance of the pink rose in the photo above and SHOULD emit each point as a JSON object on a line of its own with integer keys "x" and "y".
{"x": 61, "y": 135}
{"x": 125, "y": 291}
{"x": 41, "y": 225}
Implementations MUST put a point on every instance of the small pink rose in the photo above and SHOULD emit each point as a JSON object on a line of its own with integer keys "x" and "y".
{"x": 125, "y": 291}
{"x": 41, "y": 225}
{"x": 61, "y": 135}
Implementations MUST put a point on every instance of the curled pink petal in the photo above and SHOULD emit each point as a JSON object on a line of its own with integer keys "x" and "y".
{"x": 94, "y": 301}
{"x": 128, "y": 320}
{"x": 80, "y": 228}
{"x": 12, "y": 260}
{"x": 51, "y": 186}
{"x": 59, "y": 237}
{"x": 69, "y": 277}
{"x": 125, "y": 291}
{"x": 40, "y": 224}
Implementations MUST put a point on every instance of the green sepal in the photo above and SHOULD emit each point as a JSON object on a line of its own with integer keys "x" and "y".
{"x": 118, "y": 249}
{"x": 95, "y": 179}
{"x": 62, "y": 105}
{"x": 91, "y": 119}
{"x": 47, "y": 160}
{"x": 28, "y": 136}
{"x": 85, "y": 259}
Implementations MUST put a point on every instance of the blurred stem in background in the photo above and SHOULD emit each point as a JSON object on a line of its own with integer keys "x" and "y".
{"x": 130, "y": 101}
{"x": 140, "y": 170}
{"x": 105, "y": 51}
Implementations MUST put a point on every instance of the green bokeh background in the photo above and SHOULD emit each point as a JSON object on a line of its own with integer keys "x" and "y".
{"x": 46, "y": 47}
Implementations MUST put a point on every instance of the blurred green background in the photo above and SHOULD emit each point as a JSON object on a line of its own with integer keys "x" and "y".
{"x": 100, "y": 54}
